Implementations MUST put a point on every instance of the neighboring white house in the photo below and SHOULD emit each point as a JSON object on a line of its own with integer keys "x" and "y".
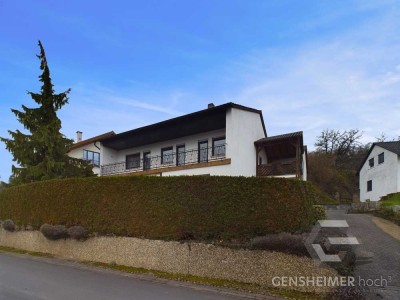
{"x": 88, "y": 149}
{"x": 379, "y": 174}
{"x": 228, "y": 139}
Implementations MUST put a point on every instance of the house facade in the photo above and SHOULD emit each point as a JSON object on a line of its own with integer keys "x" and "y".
{"x": 228, "y": 139}
{"x": 379, "y": 174}
{"x": 88, "y": 149}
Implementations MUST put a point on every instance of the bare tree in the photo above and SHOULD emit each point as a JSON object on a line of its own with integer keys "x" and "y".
{"x": 338, "y": 143}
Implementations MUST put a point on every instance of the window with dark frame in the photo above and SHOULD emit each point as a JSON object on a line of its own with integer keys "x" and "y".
{"x": 369, "y": 185}
{"x": 133, "y": 161}
{"x": 203, "y": 151}
{"x": 381, "y": 158}
{"x": 92, "y": 157}
{"x": 371, "y": 162}
{"x": 167, "y": 155}
{"x": 146, "y": 160}
{"x": 218, "y": 146}
{"x": 180, "y": 155}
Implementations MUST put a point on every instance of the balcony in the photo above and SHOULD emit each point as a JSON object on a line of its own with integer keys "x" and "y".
{"x": 168, "y": 162}
{"x": 278, "y": 169}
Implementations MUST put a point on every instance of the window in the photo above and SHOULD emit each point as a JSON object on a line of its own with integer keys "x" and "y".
{"x": 180, "y": 155}
{"x": 146, "y": 160}
{"x": 369, "y": 185}
{"x": 133, "y": 161}
{"x": 167, "y": 155}
{"x": 381, "y": 158}
{"x": 203, "y": 151}
{"x": 92, "y": 157}
{"x": 371, "y": 162}
{"x": 218, "y": 146}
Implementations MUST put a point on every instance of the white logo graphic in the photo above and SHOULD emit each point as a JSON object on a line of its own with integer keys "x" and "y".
{"x": 317, "y": 250}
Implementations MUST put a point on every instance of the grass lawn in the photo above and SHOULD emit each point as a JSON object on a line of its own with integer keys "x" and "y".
{"x": 394, "y": 200}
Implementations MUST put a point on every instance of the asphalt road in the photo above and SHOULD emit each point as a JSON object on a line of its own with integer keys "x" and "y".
{"x": 378, "y": 255}
{"x": 23, "y": 277}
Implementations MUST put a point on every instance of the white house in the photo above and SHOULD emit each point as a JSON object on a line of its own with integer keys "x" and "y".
{"x": 379, "y": 174}
{"x": 228, "y": 139}
{"x": 88, "y": 149}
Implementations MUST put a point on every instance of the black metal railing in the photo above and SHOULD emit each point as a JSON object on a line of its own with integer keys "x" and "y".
{"x": 188, "y": 157}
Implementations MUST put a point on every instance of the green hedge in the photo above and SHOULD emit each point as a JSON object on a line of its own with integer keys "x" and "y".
{"x": 170, "y": 208}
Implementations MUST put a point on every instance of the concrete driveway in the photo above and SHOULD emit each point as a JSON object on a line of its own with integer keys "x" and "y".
{"x": 378, "y": 255}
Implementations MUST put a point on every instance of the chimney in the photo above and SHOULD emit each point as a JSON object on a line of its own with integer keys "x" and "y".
{"x": 79, "y": 136}
{"x": 210, "y": 105}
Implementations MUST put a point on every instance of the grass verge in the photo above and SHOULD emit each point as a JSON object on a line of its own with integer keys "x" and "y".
{"x": 394, "y": 200}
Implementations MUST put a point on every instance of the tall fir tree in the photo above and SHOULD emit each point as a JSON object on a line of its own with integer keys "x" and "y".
{"x": 42, "y": 154}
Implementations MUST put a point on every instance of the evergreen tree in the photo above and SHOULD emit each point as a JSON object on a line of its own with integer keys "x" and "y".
{"x": 42, "y": 154}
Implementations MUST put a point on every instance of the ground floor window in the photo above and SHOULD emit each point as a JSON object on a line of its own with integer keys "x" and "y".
{"x": 92, "y": 157}
{"x": 369, "y": 185}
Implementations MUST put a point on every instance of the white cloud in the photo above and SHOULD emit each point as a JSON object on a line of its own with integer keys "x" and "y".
{"x": 351, "y": 80}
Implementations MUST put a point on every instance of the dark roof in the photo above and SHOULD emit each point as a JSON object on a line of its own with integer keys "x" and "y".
{"x": 390, "y": 146}
{"x": 281, "y": 137}
{"x": 201, "y": 121}
{"x": 92, "y": 140}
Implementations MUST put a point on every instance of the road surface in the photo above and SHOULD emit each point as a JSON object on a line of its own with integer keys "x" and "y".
{"x": 24, "y": 277}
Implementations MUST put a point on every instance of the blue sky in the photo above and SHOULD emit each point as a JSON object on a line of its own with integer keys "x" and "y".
{"x": 308, "y": 65}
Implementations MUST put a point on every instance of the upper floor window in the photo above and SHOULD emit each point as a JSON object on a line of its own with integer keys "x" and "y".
{"x": 202, "y": 151}
{"x": 381, "y": 158}
{"x": 92, "y": 157}
{"x": 180, "y": 155}
{"x": 371, "y": 162}
{"x": 167, "y": 155}
{"x": 133, "y": 161}
{"x": 218, "y": 146}
{"x": 369, "y": 185}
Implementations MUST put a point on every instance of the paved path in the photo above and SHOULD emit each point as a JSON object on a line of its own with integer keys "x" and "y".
{"x": 383, "y": 249}
{"x": 23, "y": 277}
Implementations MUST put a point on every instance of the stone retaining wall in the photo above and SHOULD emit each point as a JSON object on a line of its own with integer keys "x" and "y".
{"x": 250, "y": 266}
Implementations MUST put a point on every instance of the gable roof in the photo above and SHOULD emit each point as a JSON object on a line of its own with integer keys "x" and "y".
{"x": 390, "y": 146}
{"x": 92, "y": 140}
{"x": 209, "y": 119}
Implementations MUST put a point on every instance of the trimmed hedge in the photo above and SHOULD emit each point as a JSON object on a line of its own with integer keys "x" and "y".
{"x": 169, "y": 208}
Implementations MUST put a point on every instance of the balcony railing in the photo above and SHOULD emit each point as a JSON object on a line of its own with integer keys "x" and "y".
{"x": 277, "y": 169}
{"x": 188, "y": 157}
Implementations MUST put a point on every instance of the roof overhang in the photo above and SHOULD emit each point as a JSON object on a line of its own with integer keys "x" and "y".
{"x": 91, "y": 140}
{"x": 201, "y": 121}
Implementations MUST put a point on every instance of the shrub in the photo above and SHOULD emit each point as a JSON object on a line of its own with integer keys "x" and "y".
{"x": 281, "y": 242}
{"x": 54, "y": 232}
{"x": 319, "y": 213}
{"x": 78, "y": 233}
{"x": 205, "y": 207}
{"x": 9, "y": 225}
